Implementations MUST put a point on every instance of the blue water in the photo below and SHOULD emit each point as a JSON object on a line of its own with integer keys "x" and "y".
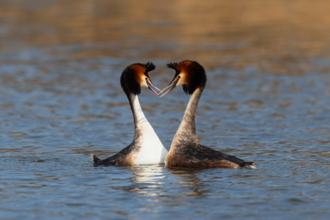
{"x": 60, "y": 101}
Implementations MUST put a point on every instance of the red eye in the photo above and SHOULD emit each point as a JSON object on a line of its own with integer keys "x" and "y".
{"x": 146, "y": 78}
{"x": 179, "y": 77}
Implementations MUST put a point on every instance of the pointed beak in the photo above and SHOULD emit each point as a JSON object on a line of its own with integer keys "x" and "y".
{"x": 168, "y": 88}
{"x": 152, "y": 87}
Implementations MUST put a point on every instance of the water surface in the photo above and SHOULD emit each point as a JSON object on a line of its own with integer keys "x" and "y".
{"x": 266, "y": 100}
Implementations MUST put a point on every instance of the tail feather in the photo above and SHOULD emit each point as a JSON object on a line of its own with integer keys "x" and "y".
{"x": 249, "y": 165}
{"x": 242, "y": 163}
{"x": 95, "y": 158}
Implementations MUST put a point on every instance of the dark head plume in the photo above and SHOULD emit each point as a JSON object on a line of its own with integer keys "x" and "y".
{"x": 173, "y": 66}
{"x": 195, "y": 75}
{"x": 149, "y": 67}
{"x": 130, "y": 81}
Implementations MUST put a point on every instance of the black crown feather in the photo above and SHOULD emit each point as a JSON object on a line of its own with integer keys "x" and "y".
{"x": 173, "y": 66}
{"x": 149, "y": 66}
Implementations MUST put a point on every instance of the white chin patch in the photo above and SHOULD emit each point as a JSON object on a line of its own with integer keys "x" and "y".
{"x": 181, "y": 80}
{"x": 144, "y": 83}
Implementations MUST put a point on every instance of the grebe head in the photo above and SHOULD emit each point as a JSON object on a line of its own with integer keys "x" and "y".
{"x": 190, "y": 74}
{"x": 136, "y": 76}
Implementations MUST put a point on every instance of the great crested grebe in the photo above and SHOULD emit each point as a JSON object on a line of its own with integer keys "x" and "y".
{"x": 186, "y": 150}
{"x": 146, "y": 147}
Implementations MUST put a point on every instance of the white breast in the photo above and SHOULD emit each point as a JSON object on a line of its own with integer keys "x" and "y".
{"x": 151, "y": 149}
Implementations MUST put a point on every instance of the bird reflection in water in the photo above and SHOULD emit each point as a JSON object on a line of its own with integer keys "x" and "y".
{"x": 155, "y": 181}
{"x": 148, "y": 179}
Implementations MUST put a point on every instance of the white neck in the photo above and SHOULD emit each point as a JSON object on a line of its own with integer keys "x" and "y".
{"x": 140, "y": 119}
{"x": 187, "y": 128}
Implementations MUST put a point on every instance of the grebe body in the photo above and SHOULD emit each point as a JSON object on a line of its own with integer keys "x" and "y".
{"x": 186, "y": 151}
{"x": 146, "y": 147}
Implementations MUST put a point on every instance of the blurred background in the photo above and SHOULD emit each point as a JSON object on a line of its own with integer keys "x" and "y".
{"x": 276, "y": 35}
{"x": 266, "y": 100}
